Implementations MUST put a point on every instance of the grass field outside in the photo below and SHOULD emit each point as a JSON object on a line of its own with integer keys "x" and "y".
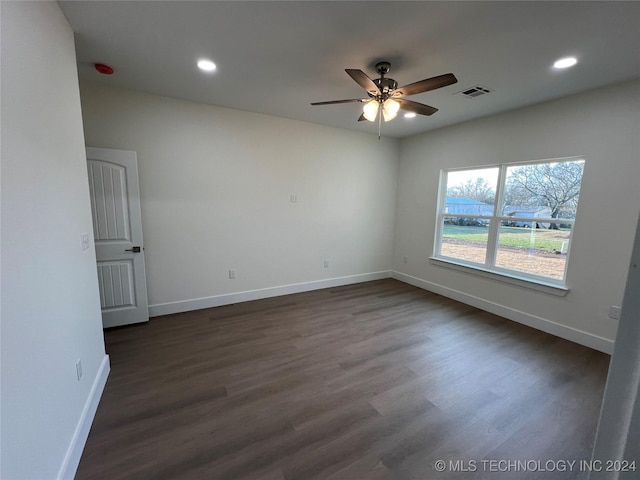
{"x": 544, "y": 240}
{"x": 535, "y": 251}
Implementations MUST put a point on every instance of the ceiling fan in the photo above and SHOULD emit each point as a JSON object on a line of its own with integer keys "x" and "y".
{"x": 385, "y": 98}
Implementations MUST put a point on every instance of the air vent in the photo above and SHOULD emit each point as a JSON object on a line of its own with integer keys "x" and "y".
{"x": 476, "y": 91}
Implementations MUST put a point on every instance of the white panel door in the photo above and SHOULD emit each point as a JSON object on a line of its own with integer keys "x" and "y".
{"x": 117, "y": 230}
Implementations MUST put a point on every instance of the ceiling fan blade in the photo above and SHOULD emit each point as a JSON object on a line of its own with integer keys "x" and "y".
{"x": 363, "y": 80}
{"x": 350, "y": 100}
{"x": 361, "y": 118}
{"x": 425, "y": 85}
{"x": 415, "y": 107}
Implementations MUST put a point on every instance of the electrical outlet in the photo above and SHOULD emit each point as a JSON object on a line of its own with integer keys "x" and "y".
{"x": 232, "y": 274}
{"x": 293, "y": 199}
{"x": 614, "y": 312}
{"x": 79, "y": 369}
{"x": 326, "y": 264}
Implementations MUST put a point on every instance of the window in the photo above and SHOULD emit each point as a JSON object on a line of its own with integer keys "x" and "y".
{"x": 513, "y": 219}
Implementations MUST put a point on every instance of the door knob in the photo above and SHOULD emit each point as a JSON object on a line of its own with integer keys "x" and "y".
{"x": 134, "y": 250}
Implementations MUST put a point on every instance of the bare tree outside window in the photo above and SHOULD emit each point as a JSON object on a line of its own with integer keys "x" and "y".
{"x": 552, "y": 185}
{"x": 475, "y": 189}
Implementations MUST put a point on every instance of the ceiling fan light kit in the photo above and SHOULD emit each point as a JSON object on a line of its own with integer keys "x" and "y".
{"x": 386, "y": 99}
{"x": 370, "y": 110}
{"x": 390, "y": 109}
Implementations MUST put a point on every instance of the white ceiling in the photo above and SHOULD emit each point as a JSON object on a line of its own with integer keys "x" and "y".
{"x": 277, "y": 57}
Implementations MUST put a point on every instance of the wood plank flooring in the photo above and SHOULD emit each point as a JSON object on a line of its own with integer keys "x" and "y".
{"x": 370, "y": 381}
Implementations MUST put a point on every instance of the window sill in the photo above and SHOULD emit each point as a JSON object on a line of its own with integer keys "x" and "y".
{"x": 540, "y": 286}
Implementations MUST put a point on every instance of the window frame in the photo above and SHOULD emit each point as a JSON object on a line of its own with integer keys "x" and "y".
{"x": 489, "y": 267}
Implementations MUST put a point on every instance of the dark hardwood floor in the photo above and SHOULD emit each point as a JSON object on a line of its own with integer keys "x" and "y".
{"x": 370, "y": 381}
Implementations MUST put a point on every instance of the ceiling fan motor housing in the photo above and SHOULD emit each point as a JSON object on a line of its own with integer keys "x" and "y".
{"x": 386, "y": 85}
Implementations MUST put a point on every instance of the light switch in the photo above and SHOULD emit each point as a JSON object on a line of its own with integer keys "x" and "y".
{"x": 84, "y": 241}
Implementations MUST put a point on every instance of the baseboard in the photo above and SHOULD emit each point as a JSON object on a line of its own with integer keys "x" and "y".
{"x": 237, "y": 297}
{"x": 74, "y": 452}
{"x": 568, "y": 333}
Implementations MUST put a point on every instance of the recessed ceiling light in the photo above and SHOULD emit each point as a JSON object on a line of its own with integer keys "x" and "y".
{"x": 410, "y": 115}
{"x": 565, "y": 62}
{"x": 206, "y": 65}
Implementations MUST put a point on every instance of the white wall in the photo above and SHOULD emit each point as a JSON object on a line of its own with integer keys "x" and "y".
{"x": 215, "y": 187}
{"x": 49, "y": 291}
{"x": 603, "y": 126}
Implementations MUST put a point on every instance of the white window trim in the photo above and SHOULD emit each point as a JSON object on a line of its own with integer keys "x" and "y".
{"x": 501, "y": 276}
{"x": 489, "y": 269}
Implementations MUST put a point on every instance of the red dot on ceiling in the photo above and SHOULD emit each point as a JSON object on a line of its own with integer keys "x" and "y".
{"x": 103, "y": 69}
